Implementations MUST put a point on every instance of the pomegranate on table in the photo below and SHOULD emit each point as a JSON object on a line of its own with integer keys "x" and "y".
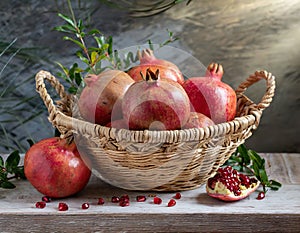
{"x": 210, "y": 96}
{"x": 155, "y": 103}
{"x": 167, "y": 69}
{"x": 198, "y": 120}
{"x": 101, "y": 100}
{"x": 55, "y": 168}
{"x": 230, "y": 185}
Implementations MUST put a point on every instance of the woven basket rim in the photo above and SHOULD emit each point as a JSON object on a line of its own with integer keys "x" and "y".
{"x": 66, "y": 123}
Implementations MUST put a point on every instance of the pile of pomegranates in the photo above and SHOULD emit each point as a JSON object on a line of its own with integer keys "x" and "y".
{"x": 154, "y": 95}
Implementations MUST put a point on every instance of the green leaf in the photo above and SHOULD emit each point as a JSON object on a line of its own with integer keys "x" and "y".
{"x": 78, "y": 79}
{"x": 274, "y": 185}
{"x": 82, "y": 58}
{"x": 72, "y": 90}
{"x": 93, "y": 32}
{"x": 67, "y": 19}
{"x": 74, "y": 41}
{"x": 7, "y": 185}
{"x": 30, "y": 142}
{"x": 256, "y": 158}
{"x": 12, "y": 161}
{"x": 1, "y": 161}
{"x": 150, "y": 45}
{"x": 110, "y": 44}
{"x": 263, "y": 176}
{"x": 65, "y": 28}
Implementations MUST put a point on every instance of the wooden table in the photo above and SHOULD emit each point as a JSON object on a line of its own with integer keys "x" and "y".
{"x": 194, "y": 212}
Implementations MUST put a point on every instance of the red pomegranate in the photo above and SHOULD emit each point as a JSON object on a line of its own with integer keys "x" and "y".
{"x": 230, "y": 185}
{"x": 198, "y": 120}
{"x": 55, "y": 168}
{"x": 101, "y": 100}
{"x": 166, "y": 68}
{"x": 210, "y": 96}
{"x": 118, "y": 124}
{"x": 155, "y": 103}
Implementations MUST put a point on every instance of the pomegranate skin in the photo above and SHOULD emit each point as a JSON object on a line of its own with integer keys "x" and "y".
{"x": 161, "y": 105}
{"x": 168, "y": 70}
{"x": 198, "y": 120}
{"x": 55, "y": 168}
{"x": 101, "y": 100}
{"x": 212, "y": 97}
{"x": 118, "y": 124}
{"x": 231, "y": 197}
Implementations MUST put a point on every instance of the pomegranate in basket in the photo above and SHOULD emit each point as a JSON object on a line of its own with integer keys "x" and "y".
{"x": 210, "y": 96}
{"x": 167, "y": 69}
{"x": 101, "y": 100}
{"x": 155, "y": 103}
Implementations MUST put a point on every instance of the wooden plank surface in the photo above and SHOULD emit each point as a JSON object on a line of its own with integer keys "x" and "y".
{"x": 194, "y": 212}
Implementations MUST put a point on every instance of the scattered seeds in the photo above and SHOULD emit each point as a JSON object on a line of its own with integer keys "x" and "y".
{"x": 40, "y": 204}
{"x": 101, "y": 201}
{"x": 85, "y": 206}
{"x": 62, "y": 206}
{"x": 141, "y": 198}
{"x": 157, "y": 200}
{"x": 171, "y": 203}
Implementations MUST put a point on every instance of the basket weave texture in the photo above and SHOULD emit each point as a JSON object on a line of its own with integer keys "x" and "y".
{"x": 172, "y": 160}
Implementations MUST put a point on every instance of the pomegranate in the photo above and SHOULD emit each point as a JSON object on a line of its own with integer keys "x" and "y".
{"x": 161, "y": 104}
{"x": 101, "y": 100}
{"x": 118, "y": 124}
{"x": 55, "y": 168}
{"x": 198, "y": 120}
{"x": 210, "y": 96}
{"x": 167, "y": 69}
{"x": 230, "y": 185}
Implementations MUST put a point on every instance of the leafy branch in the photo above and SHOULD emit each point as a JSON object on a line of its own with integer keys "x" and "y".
{"x": 10, "y": 169}
{"x": 94, "y": 56}
{"x": 250, "y": 162}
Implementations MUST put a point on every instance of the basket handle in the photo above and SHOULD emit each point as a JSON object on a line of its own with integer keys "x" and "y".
{"x": 270, "y": 83}
{"x": 40, "y": 78}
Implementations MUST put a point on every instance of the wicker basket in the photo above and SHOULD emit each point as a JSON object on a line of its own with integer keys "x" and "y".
{"x": 156, "y": 160}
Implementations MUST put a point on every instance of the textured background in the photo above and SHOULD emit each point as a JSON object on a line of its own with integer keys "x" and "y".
{"x": 242, "y": 35}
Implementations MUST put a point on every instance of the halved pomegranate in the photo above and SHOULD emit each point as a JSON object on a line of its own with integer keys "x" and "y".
{"x": 230, "y": 185}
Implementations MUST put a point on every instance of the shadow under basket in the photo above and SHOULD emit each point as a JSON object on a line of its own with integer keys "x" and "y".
{"x": 172, "y": 160}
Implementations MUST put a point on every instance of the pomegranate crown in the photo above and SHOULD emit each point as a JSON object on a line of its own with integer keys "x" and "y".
{"x": 215, "y": 70}
{"x": 150, "y": 75}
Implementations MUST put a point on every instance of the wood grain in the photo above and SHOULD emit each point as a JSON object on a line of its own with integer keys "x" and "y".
{"x": 194, "y": 212}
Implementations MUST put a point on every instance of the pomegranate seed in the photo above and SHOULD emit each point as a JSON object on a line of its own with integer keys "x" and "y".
{"x": 177, "y": 196}
{"x": 171, "y": 203}
{"x": 140, "y": 198}
{"x": 40, "y": 204}
{"x": 62, "y": 206}
{"x": 124, "y": 198}
{"x": 124, "y": 203}
{"x": 260, "y": 196}
{"x": 85, "y": 206}
{"x": 157, "y": 200}
{"x": 100, "y": 201}
{"x": 115, "y": 199}
{"x": 46, "y": 199}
